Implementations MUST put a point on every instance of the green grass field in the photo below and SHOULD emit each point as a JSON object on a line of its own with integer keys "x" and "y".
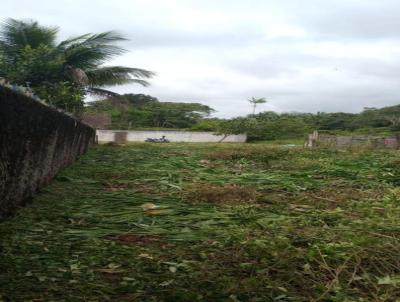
{"x": 209, "y": 222}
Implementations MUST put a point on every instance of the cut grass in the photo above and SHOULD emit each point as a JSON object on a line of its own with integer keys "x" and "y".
{"x": 226, "y": 194}
{"x": 215, "y": 222}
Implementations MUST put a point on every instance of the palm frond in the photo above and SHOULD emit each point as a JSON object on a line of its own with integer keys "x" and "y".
{"x": 89, "y": 51}
{"x": 104, "y": 38}
{"x": 101, "y": 92}
{"x": 89, "y": 40}
{"x": 118, "y": 75}
{"x": 88, "y": 58}
{"x": 66, "y": 43}
{"x": 16, "y": 34}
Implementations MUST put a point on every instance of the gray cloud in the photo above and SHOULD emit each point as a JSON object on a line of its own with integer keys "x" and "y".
{"x": 349, "y": 19}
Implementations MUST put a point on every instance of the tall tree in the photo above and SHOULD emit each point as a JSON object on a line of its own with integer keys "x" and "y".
{"x": 59, "y": 72}
{"x": 254, "y": 102}
{"x": 239, "y": 125}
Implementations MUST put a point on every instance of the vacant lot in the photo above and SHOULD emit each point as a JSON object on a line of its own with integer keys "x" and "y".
{"x": 186, "y": 222}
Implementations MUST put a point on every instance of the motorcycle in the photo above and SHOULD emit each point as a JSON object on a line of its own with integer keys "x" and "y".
{"x": 157, "y": 140}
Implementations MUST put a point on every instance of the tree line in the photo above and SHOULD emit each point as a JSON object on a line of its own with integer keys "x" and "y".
{"x": 270, "y": 125}
{"x": 132, "y": 111}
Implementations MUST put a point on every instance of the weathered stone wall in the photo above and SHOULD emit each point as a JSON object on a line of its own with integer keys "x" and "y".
{"x": 36, "y": 141}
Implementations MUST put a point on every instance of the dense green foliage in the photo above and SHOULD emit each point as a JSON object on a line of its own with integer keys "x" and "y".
{"x": 270, "y": 125}
{"x": 62, "y": 73}
{"x": 218, "y": 222}
{"x": 142, "y": 111}
{"x": 278, "y": 127}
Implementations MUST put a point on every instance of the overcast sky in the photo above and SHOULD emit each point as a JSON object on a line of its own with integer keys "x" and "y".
{"x": 302, "y": 55}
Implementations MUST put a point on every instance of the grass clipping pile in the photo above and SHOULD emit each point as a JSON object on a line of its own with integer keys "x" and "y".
{"x": 209, "y": 222}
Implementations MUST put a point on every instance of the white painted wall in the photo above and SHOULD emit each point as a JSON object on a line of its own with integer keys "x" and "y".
{"x": 173, "y": 136}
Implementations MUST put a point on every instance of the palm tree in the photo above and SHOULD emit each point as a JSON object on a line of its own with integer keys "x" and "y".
{"x": 254, "y": 102}
{"x": 78, "y": 60}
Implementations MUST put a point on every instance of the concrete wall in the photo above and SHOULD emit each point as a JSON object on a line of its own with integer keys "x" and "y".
{"x": 36, "y": 141}
{"x": 173, "y": 136}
